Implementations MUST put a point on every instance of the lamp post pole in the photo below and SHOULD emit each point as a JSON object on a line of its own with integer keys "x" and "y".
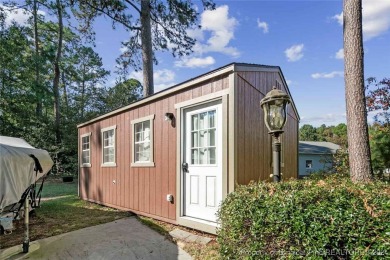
{"x": 275, "y": 116}
{"x": 276, "y": 148}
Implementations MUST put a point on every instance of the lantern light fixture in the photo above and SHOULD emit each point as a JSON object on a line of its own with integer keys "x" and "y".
{"x": 169, "y": 116}
{"x": 274, "y": 105}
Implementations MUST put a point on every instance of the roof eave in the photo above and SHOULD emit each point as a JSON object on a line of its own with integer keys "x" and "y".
{"x": 229, "y": 68}
{"x": 204, "y": 77}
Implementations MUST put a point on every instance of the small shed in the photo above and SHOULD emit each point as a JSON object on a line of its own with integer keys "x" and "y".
{"x": 316, "y": 156}
{"x": 175, "y": 155}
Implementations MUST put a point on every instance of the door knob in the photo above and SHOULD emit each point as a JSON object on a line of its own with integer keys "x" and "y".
{"x": 185, "y": 167}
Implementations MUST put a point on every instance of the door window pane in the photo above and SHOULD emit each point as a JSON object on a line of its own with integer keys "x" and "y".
{"x": 194, "y": 122}
{"x": 212, "y": 118}
{"x": 203, "y": 136}
{"x": 211, "y": 137}
{"x": 194, "y": 139}
{"x": 194, "y": 156}
{"x": 202, "y": 156}
{"x": 203, "y": 120}
{"x": 212, "y": 158}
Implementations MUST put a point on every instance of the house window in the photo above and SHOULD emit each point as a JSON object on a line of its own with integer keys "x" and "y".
{"x": 142, "y": 142}
{"x": 309, "y": 164}
{"x": 86, "y": 150}
{"x": 108, "y": 151}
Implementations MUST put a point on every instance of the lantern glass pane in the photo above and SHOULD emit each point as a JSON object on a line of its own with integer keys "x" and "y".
{"x": 276, "y": 115}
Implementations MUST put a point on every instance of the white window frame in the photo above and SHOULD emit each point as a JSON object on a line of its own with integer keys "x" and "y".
{"x": 311, "y": 164}
{"x": 149, "y": 118}
{"x": 82, "y": 164}
{"x": 108, "y": 164}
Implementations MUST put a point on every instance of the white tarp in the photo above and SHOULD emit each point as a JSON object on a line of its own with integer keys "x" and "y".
{"x": 17, "y": 168}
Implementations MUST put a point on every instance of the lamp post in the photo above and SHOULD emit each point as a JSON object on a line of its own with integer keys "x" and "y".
{"x": 275, "y": 115}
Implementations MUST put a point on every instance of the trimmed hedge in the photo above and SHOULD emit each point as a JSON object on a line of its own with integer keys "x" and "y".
{"x": 315, "y": 218}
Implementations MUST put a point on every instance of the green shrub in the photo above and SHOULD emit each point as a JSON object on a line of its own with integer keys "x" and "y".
{"x": 306, "y": 219}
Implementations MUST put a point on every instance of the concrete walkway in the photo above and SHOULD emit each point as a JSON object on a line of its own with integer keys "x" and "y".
{"x": 122, "y": 239}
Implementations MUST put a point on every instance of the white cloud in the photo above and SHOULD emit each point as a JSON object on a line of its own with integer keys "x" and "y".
{"x": 289, "y": 82}
{"x": 17, "y": 15}
{"x": 330, "y": 75}
{"x": 338, "y": 18}
{"x": 159, "y": 87}
{"x": 376, "y": 18}
{"x": 163, "y": 78}
{"x": 294, "y": 53}
{"x": 340, "y": 54}
{"x": 330, "y": 119}
{"x": 196, "y": 34}
{"x": 262, "y": 25}
{"x": 195, "y": 62}
{"x": 221, "y": 27}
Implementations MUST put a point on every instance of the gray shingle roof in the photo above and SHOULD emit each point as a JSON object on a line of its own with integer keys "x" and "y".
{"x": 307, "y": 147}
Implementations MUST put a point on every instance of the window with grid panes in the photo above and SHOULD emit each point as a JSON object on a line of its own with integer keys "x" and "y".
{"x": 142, "y": 140}
{"x": 85, "y": 150}
{"x": 108, "y": 138}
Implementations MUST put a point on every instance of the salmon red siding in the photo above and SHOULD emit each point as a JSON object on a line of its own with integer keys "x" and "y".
{"x": 248, "y": 151}
{"x": 141, "y": 189}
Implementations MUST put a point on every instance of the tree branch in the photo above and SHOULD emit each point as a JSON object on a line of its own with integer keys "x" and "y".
{"x": 15, "y": 7}
{"x": 154, "y": 18}
{"x": 113, "y": 18}
{"x": 134, "y": 6}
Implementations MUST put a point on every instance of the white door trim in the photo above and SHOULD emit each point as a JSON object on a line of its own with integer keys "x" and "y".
{"x": 202, "y": 225}
{"x": 202, "y": 183}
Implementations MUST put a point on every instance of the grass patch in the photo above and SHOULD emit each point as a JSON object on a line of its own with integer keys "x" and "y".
{"x": 61, "y": 215}
{"x": 159, "y": 228}
{"x": 59, "y": 189}
{"x": 203, "y": 252}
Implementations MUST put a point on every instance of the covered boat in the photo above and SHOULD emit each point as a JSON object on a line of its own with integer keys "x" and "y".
{"x": 19, "y": 168}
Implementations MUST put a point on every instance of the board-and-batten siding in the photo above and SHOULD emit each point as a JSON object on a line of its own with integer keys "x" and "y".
{"x": 253, "y": 143}
{"x": 141, "y": 189}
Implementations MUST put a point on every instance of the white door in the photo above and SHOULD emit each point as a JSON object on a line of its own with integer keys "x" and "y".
{"x": 202, "y": 161}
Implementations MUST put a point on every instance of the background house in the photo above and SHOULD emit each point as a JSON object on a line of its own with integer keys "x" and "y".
{"x": 315, "y": 156}
{"x": 181, "y": 169}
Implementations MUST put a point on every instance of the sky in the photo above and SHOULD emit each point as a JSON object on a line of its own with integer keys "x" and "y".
{"x": 304, "y": 38}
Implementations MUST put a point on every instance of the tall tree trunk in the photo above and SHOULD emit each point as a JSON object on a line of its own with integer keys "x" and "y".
{"x": 37, "y": 61}
{"x": 57, "y": 73}
{"x": 358, "y": 142}
{"x": 147, "y": 52}
{"x": 83, "y": 93}
{"x": 82, "y": 99}
{"x": 65, "y": 93}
